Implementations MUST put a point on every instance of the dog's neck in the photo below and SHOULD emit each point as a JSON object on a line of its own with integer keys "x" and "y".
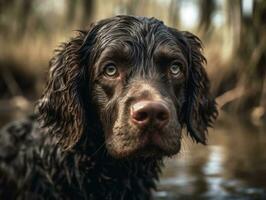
{"x": 93, "y": 147}
{"x": 89, "y": 168}
{"x": 127, "y": 177}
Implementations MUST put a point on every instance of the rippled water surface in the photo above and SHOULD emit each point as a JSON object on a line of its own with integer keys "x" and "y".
{"x": 232, "y": 166}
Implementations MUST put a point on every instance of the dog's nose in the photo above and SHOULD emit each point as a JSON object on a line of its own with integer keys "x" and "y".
{"x": 144, "y": 113}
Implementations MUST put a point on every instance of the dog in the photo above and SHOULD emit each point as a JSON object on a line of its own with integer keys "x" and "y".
{"x": 117, "y": 99}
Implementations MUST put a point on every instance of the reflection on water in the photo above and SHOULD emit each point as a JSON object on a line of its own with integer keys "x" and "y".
{"x": 232, "y": 166}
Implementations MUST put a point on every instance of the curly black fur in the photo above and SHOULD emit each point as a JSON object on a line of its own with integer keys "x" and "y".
{"x": 60, "y": 152}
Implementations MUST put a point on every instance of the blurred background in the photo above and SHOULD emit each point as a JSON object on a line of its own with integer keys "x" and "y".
{"x": 233, "y": 165}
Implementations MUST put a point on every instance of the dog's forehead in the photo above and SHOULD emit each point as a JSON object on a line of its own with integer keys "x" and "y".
{"x": 129, "y": 28}
{"x": 132, "y": 37}
{"x": 129, "y": 22}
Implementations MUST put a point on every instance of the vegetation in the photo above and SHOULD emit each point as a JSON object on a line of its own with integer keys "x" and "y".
{"x": 233, "y": 33}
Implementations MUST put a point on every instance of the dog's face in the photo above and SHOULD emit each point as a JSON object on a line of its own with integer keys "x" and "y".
{"x": 145, "y": 81}
{"x": 138, "y": 86}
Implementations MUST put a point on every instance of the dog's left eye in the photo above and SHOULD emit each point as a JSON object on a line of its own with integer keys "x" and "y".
{"x": 110, "y": 70}
{"x": 175, "y": 69}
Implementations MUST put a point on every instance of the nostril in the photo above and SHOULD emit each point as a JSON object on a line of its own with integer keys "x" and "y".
{"x": 140, "y": 116}
{"x": 162, "y": 116}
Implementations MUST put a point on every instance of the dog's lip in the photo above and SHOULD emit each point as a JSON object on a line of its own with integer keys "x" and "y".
{"x": 148, "y": 147}
{"x": 151, "y": 143}
{"x": 156, "y": 138}
{"x": 152, "y": 139}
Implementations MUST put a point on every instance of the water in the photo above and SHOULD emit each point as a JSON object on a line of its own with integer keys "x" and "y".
{"x": 232, "y": 166}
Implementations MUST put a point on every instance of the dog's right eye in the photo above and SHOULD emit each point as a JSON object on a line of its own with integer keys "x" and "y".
{"x": 175, "y": 70}
{"x": 110, "y": 70}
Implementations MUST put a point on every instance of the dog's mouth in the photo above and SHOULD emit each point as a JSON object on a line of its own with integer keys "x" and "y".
{"x": 152, "y": 144}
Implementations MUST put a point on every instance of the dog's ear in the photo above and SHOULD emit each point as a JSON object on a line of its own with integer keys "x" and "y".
{"x": 61, "y": 108}
{"x": 200, "y": 107}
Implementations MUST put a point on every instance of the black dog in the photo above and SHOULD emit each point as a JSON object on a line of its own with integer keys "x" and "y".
{"x": 117, "y": 98}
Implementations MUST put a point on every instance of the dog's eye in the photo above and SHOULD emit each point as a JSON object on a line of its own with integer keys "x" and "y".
{"x": 110, "y": 70}
{"x": 175, "y": 69}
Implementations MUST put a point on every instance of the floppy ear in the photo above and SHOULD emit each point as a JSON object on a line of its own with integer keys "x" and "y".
{"x": 61, "y": 109}
{"x": 200, "y": 107}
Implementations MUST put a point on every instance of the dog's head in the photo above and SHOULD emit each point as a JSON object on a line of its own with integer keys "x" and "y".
{"x": 142, "y": 80}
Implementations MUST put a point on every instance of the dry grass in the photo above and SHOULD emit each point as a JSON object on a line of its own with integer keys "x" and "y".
{"x": 29, "y": 54}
